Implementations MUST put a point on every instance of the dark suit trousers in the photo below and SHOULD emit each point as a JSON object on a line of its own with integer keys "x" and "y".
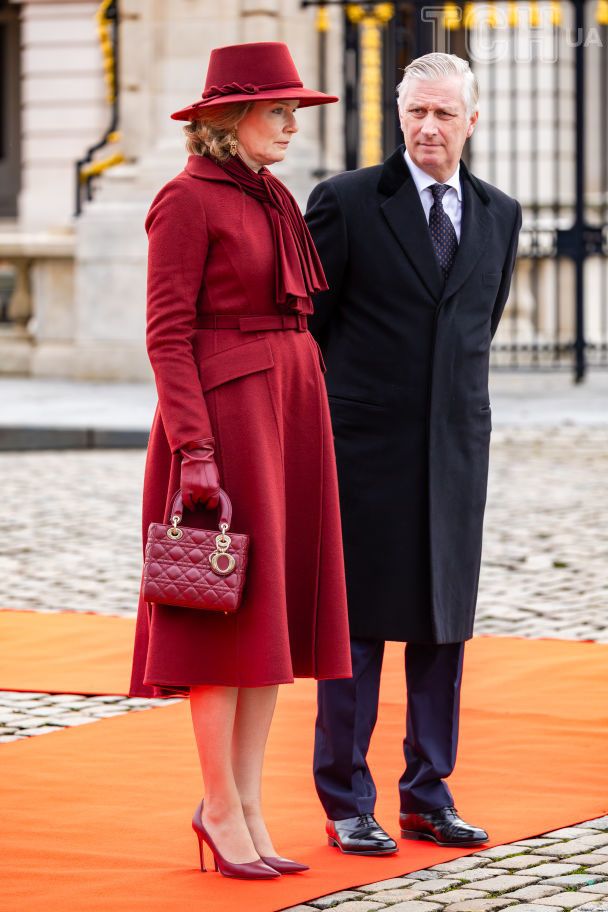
{"x": 347, "y": 713}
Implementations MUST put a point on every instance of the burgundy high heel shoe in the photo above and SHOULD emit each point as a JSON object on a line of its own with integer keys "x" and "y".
{"x": 250, "y": 870}
{"x": 284, "y": 865}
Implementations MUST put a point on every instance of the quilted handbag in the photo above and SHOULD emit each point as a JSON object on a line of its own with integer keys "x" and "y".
{"x": 195, "y": 568}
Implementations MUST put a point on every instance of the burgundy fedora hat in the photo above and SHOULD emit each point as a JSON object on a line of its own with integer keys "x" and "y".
{"x": 258, "y": 71}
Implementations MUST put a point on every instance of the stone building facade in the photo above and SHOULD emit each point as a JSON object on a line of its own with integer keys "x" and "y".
{"x": 72, "y": 287}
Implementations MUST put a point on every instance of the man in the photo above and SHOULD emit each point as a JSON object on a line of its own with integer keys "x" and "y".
{"x": 418, "y": 255}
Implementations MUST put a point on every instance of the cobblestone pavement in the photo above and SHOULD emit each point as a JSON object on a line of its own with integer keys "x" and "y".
{"x": 74, "y": 544}
{"x": 74, "y": 521}
{"x": 26, "y": 714}
{"x": 565, "y": 869}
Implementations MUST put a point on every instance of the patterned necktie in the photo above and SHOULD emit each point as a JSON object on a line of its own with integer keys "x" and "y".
{"x": 442, "y": 231}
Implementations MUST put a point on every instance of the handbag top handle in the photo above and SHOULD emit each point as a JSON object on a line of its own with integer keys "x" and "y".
{"x": 225, "y": 508}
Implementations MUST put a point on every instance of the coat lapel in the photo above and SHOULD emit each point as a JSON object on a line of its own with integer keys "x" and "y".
{"x": 405, "y": 216}
{"x": 474, "y": 234}
{"x": 403, "y": 211}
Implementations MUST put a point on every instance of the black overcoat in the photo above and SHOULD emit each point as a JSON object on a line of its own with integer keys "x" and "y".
{"x": 407, "y": 377}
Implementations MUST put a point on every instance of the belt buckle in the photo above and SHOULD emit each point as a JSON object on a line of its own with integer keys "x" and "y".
{"x": 302, "y": 322}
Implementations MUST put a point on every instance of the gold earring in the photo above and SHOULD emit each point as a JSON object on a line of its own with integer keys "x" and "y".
{"x": 234, "y": 143}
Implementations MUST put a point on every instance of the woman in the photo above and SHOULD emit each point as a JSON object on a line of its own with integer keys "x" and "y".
{"x": 231, "y": 272}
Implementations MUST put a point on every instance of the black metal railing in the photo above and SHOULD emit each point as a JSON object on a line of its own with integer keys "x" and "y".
{"x": 542, "y": 137}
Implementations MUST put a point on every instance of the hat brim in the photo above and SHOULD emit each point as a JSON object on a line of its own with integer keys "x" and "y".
{"x": 307, "y": 98}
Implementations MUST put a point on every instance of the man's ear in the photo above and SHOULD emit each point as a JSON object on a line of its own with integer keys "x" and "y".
{"x": 472, "y": 124}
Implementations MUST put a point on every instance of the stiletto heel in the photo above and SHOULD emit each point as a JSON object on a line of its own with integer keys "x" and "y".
{"x": 251, "y": 870}
{"x": 201, "y": 852}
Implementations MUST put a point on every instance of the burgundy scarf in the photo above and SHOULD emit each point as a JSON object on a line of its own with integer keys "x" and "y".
{"x": 299, "y": 273}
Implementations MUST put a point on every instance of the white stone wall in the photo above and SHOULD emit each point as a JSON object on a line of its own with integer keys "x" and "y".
{"x": 64, "y": 106}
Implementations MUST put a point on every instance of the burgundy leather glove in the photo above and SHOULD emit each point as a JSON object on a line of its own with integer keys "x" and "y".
{"x": 200, "y": 479}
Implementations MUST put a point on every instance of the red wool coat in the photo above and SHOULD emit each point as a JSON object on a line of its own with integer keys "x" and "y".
{"x": 261, "y": 395}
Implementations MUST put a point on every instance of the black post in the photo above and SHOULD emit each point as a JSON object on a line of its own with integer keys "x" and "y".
{"x": 579, "y": 228}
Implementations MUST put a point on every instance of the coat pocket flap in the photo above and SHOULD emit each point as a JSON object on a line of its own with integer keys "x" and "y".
{"x": 236, "y": 362}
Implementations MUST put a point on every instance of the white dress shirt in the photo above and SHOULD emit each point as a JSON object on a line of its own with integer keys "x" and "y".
{"x": 452, "y": 201}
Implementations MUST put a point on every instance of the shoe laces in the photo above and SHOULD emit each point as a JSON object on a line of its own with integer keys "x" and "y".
{"x": 366, "y": 820}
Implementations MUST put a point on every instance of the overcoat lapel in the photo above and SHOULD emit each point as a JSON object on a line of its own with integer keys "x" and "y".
{"x": 403, "y": 211}
{"x": 475, "y": 233}
{"x": 405, "y": 216}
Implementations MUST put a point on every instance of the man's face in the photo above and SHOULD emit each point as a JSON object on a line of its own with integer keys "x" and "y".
{"x": 435, "y": 124}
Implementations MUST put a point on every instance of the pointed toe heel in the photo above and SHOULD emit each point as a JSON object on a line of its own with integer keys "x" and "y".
{"x": 284, "y": 865}
{"x": 250, "y": 870}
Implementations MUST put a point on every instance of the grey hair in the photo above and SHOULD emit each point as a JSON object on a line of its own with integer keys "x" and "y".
{"x": 211, "y": 133}
{"x": 440, "y": 66}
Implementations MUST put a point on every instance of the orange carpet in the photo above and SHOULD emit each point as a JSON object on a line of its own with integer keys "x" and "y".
{"x": 97, "y": 818}
{"x": 65, "y": 652}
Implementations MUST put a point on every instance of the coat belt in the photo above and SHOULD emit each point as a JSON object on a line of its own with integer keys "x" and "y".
{"x": 252, "y": 322}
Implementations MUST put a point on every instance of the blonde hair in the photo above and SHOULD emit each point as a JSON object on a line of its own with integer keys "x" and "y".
{"x": 439, "y": 66}
{"x": 210, "y": 135}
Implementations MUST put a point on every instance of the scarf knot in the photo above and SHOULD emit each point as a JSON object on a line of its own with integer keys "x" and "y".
{"x": 298, "y": 270}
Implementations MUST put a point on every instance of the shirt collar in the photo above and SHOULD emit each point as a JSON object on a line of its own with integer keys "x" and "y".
{"x": 423, "y": 180}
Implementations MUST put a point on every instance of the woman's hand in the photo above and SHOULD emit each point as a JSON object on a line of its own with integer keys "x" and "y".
{"x": 200, "y": 479}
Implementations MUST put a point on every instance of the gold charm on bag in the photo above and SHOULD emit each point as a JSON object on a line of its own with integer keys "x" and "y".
{"x": 174, "y": 533}
{"x": 222, "y": 543}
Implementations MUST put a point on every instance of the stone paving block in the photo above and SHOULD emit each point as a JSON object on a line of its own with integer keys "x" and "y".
{"x": 575, "y": 880}
{"x": 536, "y": 842}
{"x": 481, "y": 905}
{"x": 79, "y": 719}
{"x": 554, "y": 869}
{"x": 590, "y": 858}
{"x": 599, "y": 868}
{"x": 421, "y": 875}
{"x": 600, "y": 823}
{"x": 40, "y": 730}
{"x": 567, "y": 832}
{"x": 433, "y": 886}
{"x": 299, "y": 909}
{"x": 415, "y": 905}
{"x": 393, "y": 896}
{"x": 568, "y": 900}
{"x": 458, "y": 864}
{"x": 505, "y": 882}
{"x": 42, "y": 711}
{"x": 358, "y": 905}
{"x": 498, "y": 852}
{"x": 519, "y": 907}
{"x": 482, "y": 873}
{"x": 572, "y": 847}
{"x": 595, "y": 840}
{"x": 594, "y": 907}
{"x": 536, "y": 891}
{"x": 390, "y": 884}
{"x": 518, "y": 861}
{"x": 4, "y": 739}
{"x": 597, "y": 888}
{"x": 324, "y": 902}
{"x": 459, "y": 895}
{"x": 28, "y": 722}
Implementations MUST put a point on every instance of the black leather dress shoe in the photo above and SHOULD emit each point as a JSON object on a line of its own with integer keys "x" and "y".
{"x": 360, "y": 835}
{"x": 442, "y": 826}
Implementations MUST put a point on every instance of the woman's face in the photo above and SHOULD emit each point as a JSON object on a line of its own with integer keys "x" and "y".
{"x": 265, "y": 132}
